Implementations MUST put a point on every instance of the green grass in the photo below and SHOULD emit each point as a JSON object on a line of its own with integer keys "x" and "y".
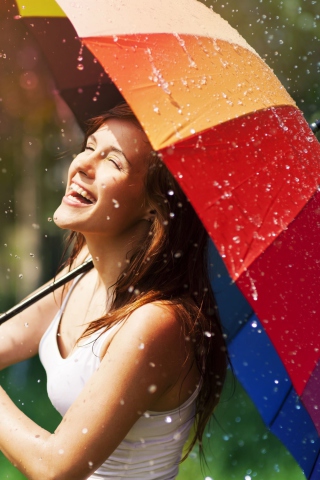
{"x": 238, "y": 445}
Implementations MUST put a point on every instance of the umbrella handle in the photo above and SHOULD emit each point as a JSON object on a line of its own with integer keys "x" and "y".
{"x": 315, "y": 126}
{"x": 84, "y": 267}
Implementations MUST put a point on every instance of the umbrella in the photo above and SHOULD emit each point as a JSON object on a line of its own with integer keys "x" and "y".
{"x": 243, "y": 154}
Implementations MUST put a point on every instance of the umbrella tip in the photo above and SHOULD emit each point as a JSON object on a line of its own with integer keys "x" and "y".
{"x": 315, "y": 126}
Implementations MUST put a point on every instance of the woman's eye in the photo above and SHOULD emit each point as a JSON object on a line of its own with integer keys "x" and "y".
{"x": 115, "y": 162}
{"x": 89, "y": 147}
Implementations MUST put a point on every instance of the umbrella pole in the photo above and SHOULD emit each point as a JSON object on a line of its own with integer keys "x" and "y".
{"x": 84, "y": 267}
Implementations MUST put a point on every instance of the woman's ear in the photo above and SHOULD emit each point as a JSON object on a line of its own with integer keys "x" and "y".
{"x": 150, "y": 216}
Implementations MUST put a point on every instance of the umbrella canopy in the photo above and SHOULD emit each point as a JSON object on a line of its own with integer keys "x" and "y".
{"x": 242, "y": 152}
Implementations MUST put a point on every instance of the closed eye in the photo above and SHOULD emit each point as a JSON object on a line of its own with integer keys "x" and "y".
{"x": 89, "y": 147}
{"x": 115, "y": 162}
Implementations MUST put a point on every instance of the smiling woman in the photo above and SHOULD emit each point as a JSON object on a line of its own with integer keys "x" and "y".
{"x": 133, "y": 349}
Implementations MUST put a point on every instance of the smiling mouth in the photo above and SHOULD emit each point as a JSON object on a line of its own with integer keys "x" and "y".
{"x": 80, "y": 195}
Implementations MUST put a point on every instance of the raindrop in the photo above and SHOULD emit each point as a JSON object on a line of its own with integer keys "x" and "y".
{"x": 177, "y": 254}
{"x": 84, "y": 430}
{"x": 130, "y": 289}
{"x": 171, "y": 214}
{"x": 49, "y": 219}
{"x": 107, "y": 217}
{"x": 26, "y": 324}
{"x": 116, "y": 204}
{"x": 80, "y": 58}
{"x": 208, "y": 334}
{"x": 20, "y": 275}
{"x": 90, "y": 464}
{"x": 152, "y": 388}
{"x": 61, "y": 451}
{"x": 254, "y": 324}
{"x": 31, "y": 254}
{"x": 141, "y": 346}
{"x": 156, "y": 109}
{"x": 80, "y": 66}
{"x": 168, "y": 419}
{"x": 170, "y": 192}
{"x": 152, "y": 364}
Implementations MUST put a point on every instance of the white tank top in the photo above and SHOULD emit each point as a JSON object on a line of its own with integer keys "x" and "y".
{"x": 152, "y": 448}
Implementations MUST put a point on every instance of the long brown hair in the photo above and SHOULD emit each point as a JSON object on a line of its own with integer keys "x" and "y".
{"x": 171, "y": 267}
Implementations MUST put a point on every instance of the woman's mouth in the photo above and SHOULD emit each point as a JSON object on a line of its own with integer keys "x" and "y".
{"x": 79, "y": 195}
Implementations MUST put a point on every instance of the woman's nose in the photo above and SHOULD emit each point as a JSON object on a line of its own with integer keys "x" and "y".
{"x": 84, "y": 163}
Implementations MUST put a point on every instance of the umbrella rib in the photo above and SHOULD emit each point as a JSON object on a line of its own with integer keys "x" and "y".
{"x": 274, "y": 199}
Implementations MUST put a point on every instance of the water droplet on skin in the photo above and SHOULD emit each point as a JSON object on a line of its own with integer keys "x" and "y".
{"x": 116, "y": 204}
{"x": 61, "y": 451}
{"x": 26, "y": 325}
{"x": 80, "y": 66}
{"x": 80, "y": 58}
{"x": 152, "y": 364}
{"x": 107, "y": 217}
{"x": 90, "y": 464}
{"x": 84, "y": 430}
{"x": 156, "y": 109}
{"x": 141, "y": 346}
{"x": 152, "y": 388}
{"x": 121, "y": 402}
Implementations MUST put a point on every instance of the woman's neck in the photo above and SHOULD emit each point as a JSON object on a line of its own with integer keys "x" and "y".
{"x": 111, "y": 255}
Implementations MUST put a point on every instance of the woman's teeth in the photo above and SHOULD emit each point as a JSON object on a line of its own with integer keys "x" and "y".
{"x": 82, "y": 192}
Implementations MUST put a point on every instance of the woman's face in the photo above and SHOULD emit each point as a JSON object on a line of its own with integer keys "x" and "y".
{"x": 105, "y": 192}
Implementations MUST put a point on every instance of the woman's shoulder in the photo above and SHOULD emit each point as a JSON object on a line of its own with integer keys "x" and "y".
{"x": 155, "y": 317}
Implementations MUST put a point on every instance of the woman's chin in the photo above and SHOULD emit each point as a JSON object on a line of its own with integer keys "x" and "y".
{"x": 62, "y": 218}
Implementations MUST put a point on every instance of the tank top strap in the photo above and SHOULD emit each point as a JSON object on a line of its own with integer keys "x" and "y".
{"x": 73, "y": 284}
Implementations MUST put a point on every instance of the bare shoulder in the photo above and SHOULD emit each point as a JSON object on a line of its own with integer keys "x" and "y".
{"x": 152, "y": 333}
{"x": 155, "y": 322}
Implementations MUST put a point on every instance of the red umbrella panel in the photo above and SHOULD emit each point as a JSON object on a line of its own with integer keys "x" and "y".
{"x": 233, "y": 138}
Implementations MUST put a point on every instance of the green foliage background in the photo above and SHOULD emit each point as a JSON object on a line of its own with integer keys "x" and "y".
{"x": 38, "y": 138}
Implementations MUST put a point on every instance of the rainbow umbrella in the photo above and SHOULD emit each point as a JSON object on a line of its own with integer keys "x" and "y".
{"x": 245, "y": 157}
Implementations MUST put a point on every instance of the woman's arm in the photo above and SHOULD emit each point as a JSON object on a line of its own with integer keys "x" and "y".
{"x": 20, "y": 336}
{"x": 129, "y": 381}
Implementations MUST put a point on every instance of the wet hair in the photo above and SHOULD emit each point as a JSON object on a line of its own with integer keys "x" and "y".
{"x": 170, "y": 267}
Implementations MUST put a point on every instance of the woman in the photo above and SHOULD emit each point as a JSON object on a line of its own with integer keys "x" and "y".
{"x": 134, "y": 353}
